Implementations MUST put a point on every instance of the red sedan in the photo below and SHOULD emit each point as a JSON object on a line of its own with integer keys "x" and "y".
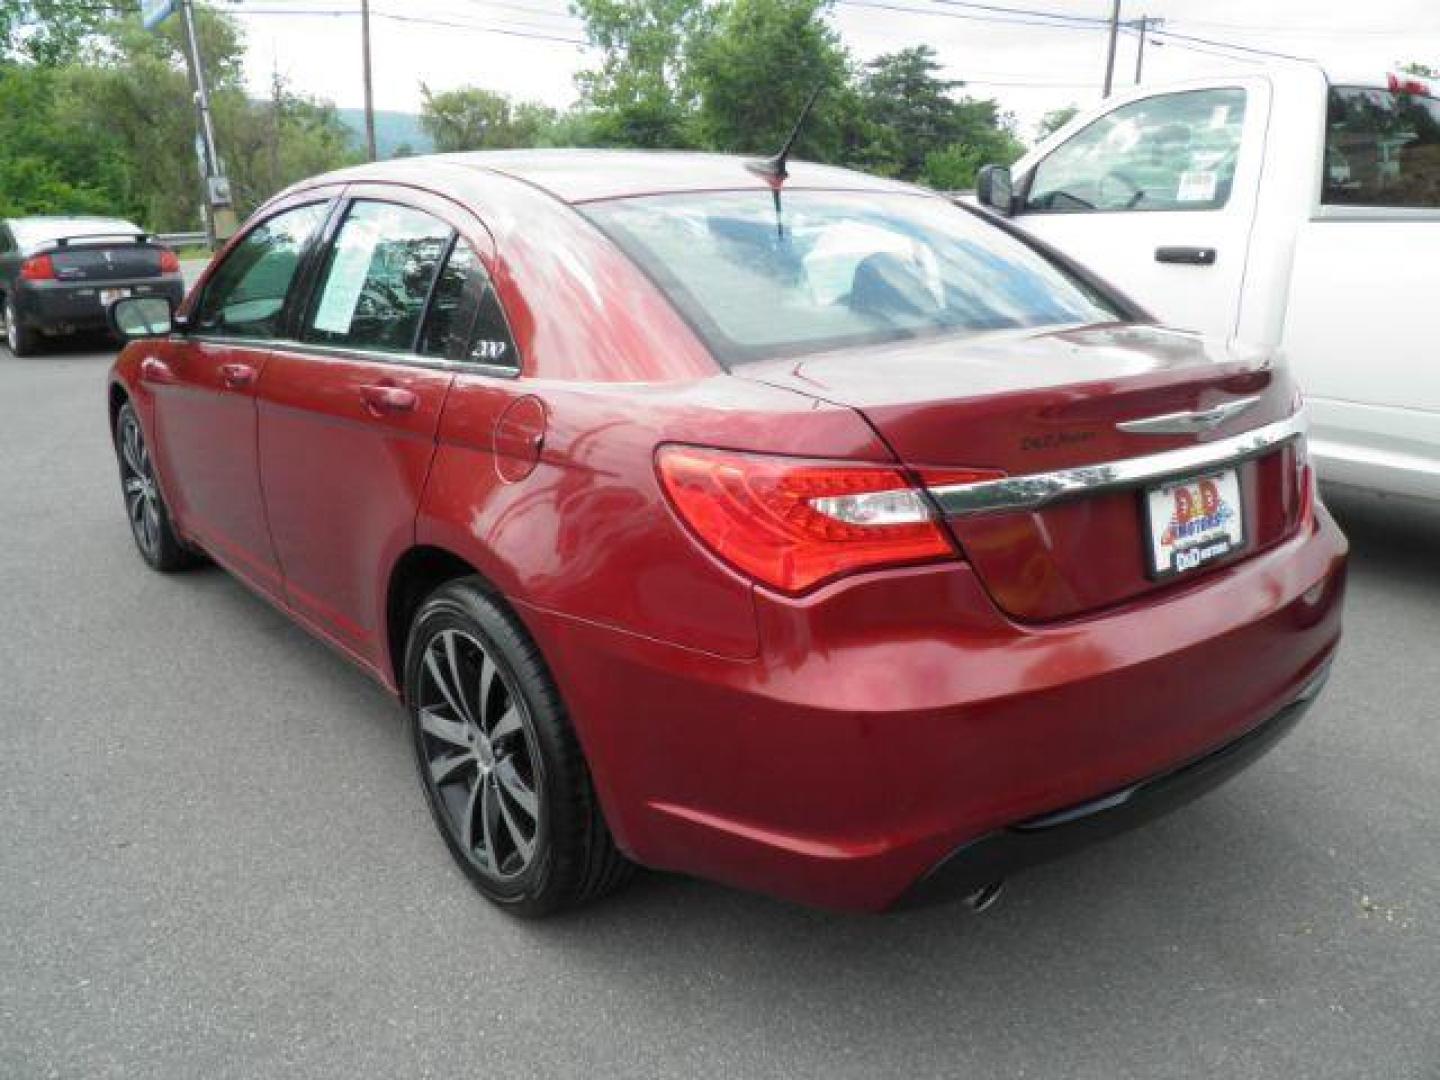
{"x": 808, "y": 533}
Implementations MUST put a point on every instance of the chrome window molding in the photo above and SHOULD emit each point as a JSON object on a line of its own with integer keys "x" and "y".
{"x": 304, "y": 350}
{"x": 1036, "y": 490}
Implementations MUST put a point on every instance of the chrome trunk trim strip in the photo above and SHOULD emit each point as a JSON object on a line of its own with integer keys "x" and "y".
{"x": 1040, "y": 489}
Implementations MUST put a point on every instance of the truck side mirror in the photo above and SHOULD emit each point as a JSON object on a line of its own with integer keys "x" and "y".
{"x": 992, "y": 189}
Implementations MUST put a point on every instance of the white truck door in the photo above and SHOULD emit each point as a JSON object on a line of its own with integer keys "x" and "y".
{"x": 1157, "y": 195}
{"x": 1363, "y": 325}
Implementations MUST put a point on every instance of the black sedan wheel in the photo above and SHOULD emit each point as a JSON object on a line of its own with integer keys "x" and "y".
{"x": 21, "y": 341}
{"x": 501, "y": 768}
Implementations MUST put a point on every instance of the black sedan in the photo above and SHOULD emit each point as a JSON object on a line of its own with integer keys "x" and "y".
{"x": 59, "y": 274}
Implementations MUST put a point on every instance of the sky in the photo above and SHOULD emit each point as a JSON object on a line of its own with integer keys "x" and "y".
{"x": 1029, "y": 64}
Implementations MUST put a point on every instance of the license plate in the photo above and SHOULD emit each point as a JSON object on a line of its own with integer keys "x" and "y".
{"x": 1191, "y": 523}
{"x": 109, "y": 296}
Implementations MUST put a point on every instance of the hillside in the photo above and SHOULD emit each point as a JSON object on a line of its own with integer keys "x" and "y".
{"x": 393, "y": 130}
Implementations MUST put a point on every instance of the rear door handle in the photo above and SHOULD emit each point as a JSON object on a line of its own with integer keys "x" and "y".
{"x": 237, "y": 376}
{"x": 155, "y": 370}
{"x": 1189, "y": 256}
{"x": 388, "y": 399}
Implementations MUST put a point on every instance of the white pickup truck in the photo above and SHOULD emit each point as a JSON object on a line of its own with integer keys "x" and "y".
{"x": 1290, "y": 209}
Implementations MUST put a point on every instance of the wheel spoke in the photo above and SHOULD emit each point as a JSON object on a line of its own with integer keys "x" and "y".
{"x": 515, "y": 786}
{"x": 135, "y": 506}
{"x": 487, "y": 683}
{"x": 152, "y": 526}
{"x": 508, "y": 724}
{"x": 127, "y": 449}
{"x": 467, "y": 826}
{"x": 488, "y": 802}
{"x": 450, "y": 731}
{"x": 443, "y": 768}
{"x": 524, "y": 845}
{"x": 442, "y": 683}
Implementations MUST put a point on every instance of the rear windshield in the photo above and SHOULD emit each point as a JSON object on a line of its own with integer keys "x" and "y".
{"x": 832, "y": 269}
{"x": 1382, "y": 149}
{"x": 33, "y": 232}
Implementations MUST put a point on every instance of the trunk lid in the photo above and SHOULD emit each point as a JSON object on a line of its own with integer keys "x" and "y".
{"x": 1022, "y": 403}
{"x": 92, "y": 261}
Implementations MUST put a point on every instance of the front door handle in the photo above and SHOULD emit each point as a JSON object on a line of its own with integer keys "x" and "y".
{"x": 155, "y": 370}
{"x": 237, "y": 376}
{"x": 388, "y": 399}
{"x": 1187, "y": 256}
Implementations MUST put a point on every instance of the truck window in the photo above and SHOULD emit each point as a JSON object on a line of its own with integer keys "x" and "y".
{"x": 1382, "y": 148}
{"x": 1169, "y": 152}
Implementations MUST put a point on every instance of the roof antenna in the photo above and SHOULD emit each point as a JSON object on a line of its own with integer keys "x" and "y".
{"x": 773, "y": 168}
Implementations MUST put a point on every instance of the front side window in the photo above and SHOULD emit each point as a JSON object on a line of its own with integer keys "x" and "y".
{"x": 377, "y": 278}
{"x": 833, "y": 269}
{"x": 246, "y": 295}
{"x": 1171, "y": 152}
{"x": 1382, "y": 148}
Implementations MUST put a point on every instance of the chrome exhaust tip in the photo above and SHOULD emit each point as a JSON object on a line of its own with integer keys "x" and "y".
{"x": 984, "y": 898}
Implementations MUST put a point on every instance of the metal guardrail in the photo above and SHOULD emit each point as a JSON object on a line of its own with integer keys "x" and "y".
{"x": 182, "y": 239}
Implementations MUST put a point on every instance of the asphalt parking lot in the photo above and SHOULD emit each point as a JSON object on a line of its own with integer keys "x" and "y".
{"x": 215, "y": 862}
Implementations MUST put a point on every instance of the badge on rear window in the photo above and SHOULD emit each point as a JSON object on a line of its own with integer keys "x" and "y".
{"x": 1190, "y": 523}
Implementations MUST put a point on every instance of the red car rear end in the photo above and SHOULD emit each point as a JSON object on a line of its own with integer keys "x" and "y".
{"x": 866, "y": 552}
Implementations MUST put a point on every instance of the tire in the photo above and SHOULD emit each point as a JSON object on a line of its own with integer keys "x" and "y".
{"x": 492, "y": 742}
{"x": 21, "y": 340}
{"x": 145, "y": 507}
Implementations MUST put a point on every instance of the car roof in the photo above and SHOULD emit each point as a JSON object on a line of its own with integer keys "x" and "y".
{"x": 577, "y": 176}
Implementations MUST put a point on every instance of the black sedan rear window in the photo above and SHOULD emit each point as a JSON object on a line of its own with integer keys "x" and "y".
{"x": 831, "y": 269}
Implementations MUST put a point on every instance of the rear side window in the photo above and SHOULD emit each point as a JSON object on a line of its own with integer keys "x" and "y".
{"x": 246, "y": 295}
{"x": 827, "y": 269}
{"x": 1170, "y": 152}
{"x": 466, "y": 323}
{"x": 1382, "y": 148}
{"x": 377, "y": 278}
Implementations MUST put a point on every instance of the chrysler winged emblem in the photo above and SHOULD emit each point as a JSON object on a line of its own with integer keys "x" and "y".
{"x": 1188, "y": 423}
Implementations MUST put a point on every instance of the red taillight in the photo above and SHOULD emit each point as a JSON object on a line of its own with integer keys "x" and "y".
{"x": 792, "y": 523}
{"x": 38, "y": 268}
{"x": 169, "y": 262}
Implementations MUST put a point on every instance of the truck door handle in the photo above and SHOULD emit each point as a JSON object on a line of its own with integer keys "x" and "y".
{"x": 237, "y": 376}
{"x": 154, "y": 370}
{"x": 388, "y": 399}
{"x": 1189, "y": 256}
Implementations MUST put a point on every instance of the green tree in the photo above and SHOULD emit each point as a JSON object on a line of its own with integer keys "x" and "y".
{"x": 466, "y": 119}
{"x": 641, "y": 94}
{"x": 48, "y": 32}
{"x": 474, "y": 119}
{"x": 911, "y": 108}
{"x": 1054, "y": 120}
{"x": 758, "y": 65}
{"x": 951, "y": 168}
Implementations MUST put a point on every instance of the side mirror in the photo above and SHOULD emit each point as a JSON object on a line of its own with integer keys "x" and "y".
{"x": 992, "y": 189}
{"x": 141, "y": 317}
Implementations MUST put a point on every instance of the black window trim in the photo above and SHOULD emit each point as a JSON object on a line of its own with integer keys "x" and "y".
{"x": 297, "y": 284}
{"x": 304, "y": 289}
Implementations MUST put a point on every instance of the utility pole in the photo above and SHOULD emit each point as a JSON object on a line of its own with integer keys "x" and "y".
{"x": 369, "y": 92}
{"x": 209, "y": 158}
{"x": 1110, "y": 55}
{"x": 1144, "y": 25}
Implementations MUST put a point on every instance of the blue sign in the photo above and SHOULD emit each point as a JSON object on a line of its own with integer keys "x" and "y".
{"x": 154, "y": 12}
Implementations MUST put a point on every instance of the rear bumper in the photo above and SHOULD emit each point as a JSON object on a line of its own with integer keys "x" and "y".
{"x": 894, "y": 719}
{"x": 1027, "y": 843}
{"x": 70, "y": 307}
